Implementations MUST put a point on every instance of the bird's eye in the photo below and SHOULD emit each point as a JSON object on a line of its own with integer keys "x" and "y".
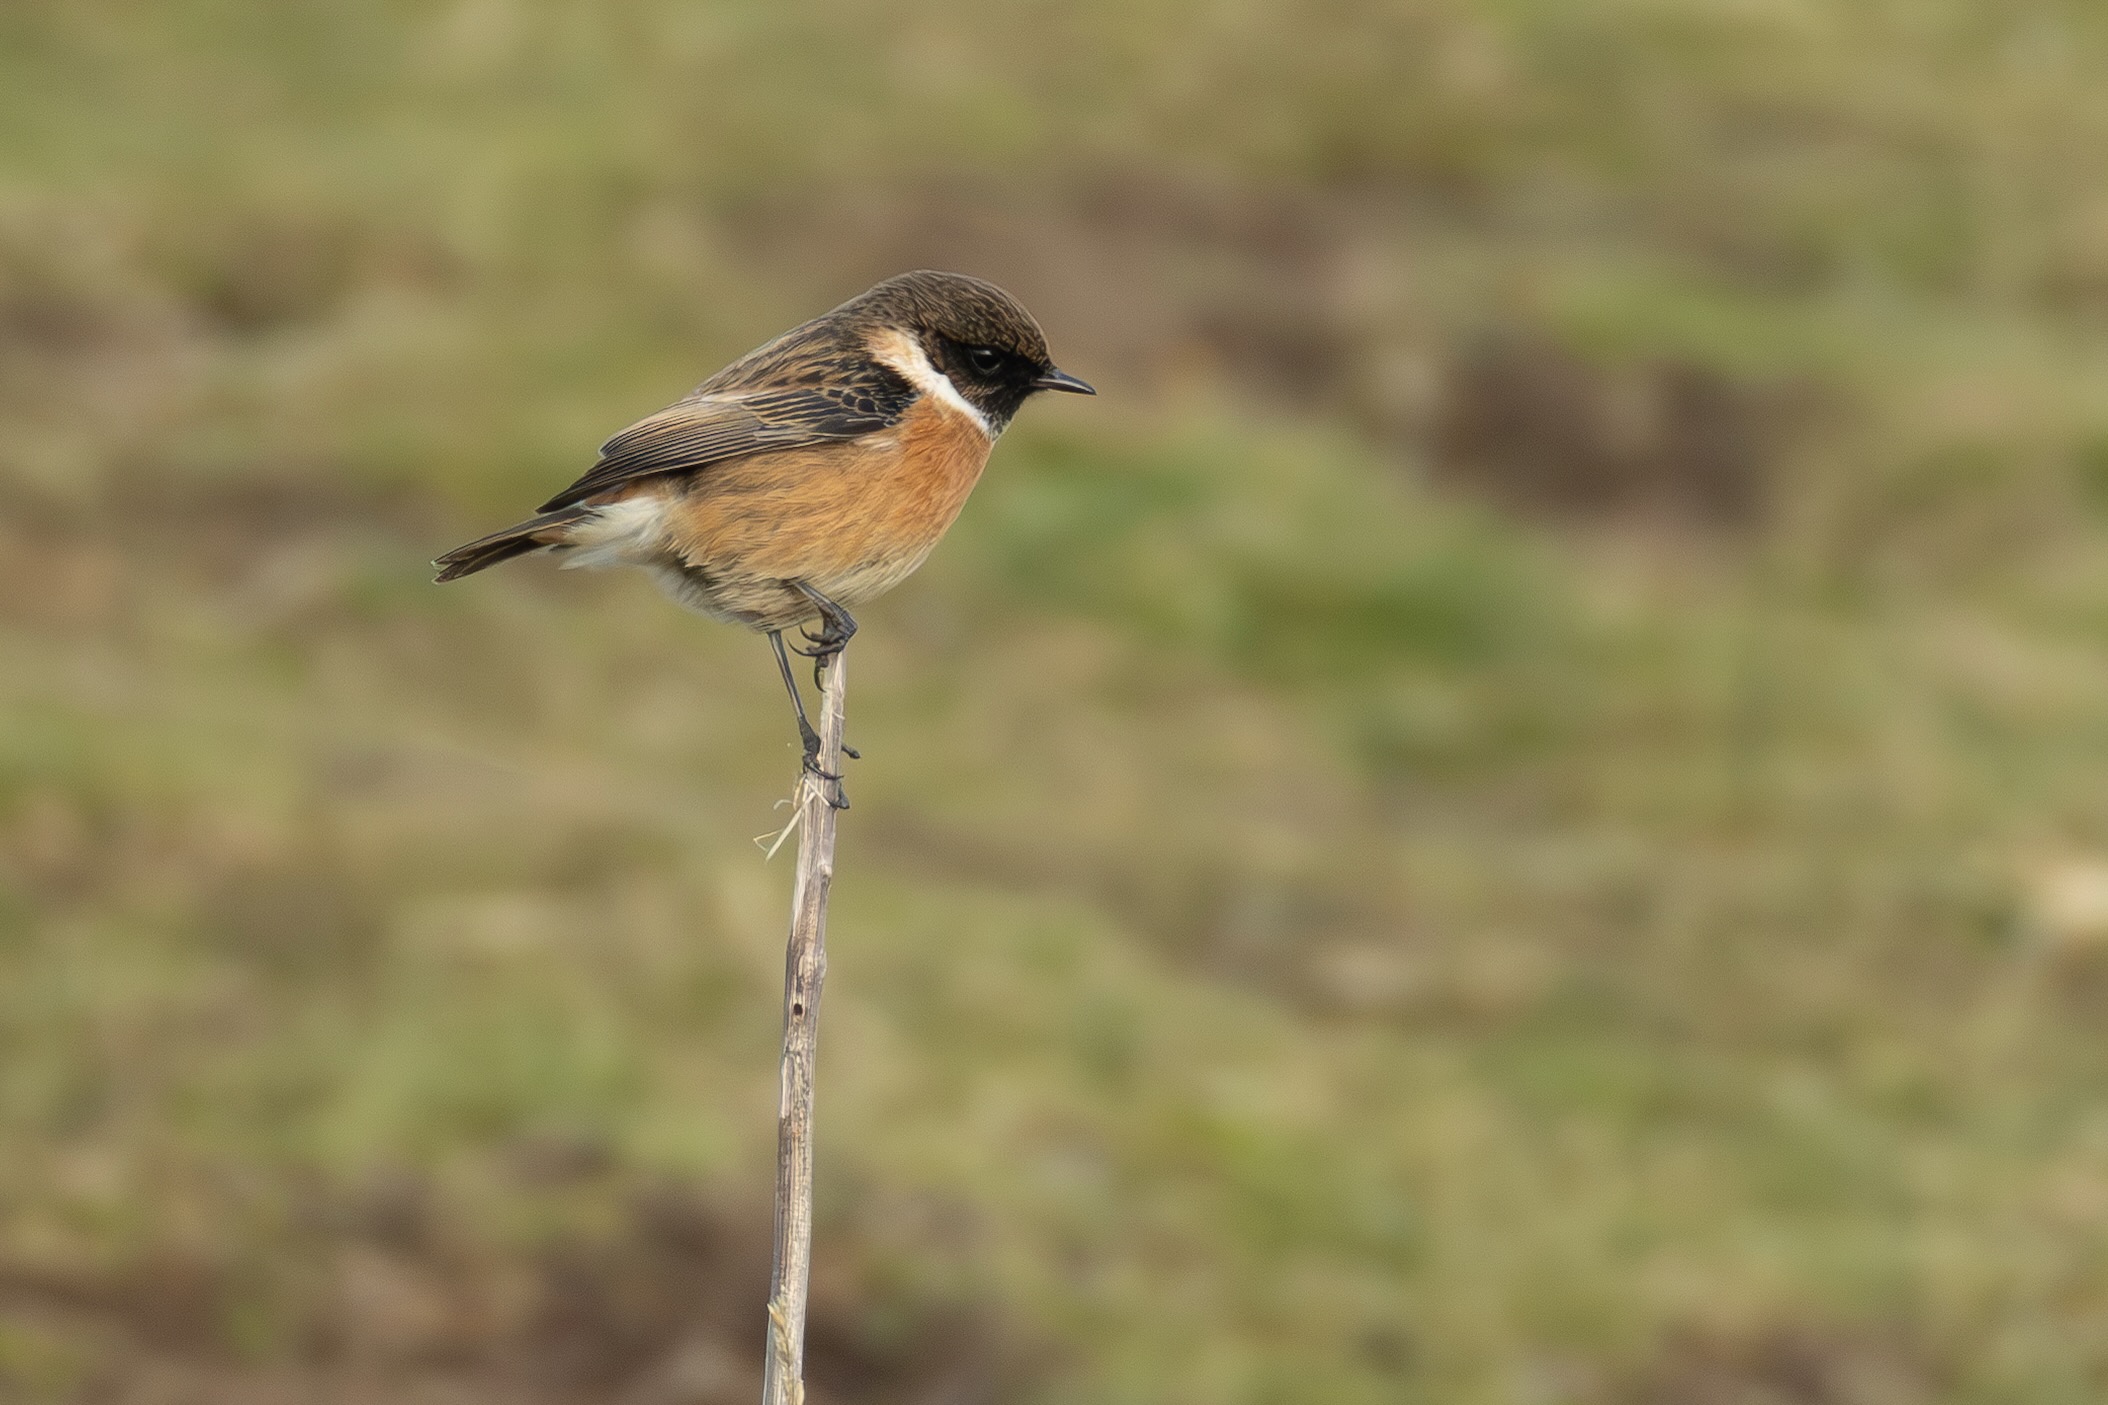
{"x": 985, "y": 360}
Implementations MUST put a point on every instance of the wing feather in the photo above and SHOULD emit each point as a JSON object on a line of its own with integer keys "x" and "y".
{"x": 714, "y": 426}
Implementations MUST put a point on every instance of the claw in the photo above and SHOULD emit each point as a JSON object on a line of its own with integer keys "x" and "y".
{"x": 836, "y": 797}
{"x": 839, "y": 798}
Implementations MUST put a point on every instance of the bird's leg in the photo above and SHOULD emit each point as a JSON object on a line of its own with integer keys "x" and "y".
{"x": 837, "y": 628}
{"x": 835, "y": 632}
{"x": 810, "y": 738}
{"x": 806, "y": 734}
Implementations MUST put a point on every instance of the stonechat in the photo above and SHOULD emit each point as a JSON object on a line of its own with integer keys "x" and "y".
{"x": 812, "y": 474}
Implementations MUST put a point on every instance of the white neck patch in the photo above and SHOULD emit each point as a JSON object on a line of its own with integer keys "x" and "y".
{"x": 905, "y": 355}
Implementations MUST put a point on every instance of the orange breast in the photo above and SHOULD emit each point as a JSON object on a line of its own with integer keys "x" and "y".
{"x": 853, "y": 520}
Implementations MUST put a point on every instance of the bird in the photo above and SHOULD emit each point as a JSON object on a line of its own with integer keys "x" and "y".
{"x": 813, "y": 474}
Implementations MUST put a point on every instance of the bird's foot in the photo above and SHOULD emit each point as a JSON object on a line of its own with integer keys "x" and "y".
{"x": 837, "y": 628}
{"x": 831, "y": 781}
{"x": 832, "y": 637}
{"x": 825, "y": 648}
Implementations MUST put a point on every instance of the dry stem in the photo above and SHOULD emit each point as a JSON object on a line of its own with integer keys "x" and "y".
{"x": 804, "y": 968}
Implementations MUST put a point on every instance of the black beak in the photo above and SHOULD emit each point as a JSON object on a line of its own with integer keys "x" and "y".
{"x": 1051, "y": 379}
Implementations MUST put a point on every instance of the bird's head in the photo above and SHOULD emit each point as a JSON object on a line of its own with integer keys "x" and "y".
{"x": 969, "y": 334}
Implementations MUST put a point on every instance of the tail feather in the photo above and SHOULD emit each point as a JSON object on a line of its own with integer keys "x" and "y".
{"x": 531, "y": 535}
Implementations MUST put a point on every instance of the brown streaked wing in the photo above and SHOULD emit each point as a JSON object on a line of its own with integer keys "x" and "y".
{"x": 707, "y": 429}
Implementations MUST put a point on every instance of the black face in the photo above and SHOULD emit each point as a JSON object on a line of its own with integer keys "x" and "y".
{"x": 993, "y": 379}
{"x": 973, "y": 332}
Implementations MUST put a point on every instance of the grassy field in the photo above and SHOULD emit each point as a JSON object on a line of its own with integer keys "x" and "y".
{"x": 1513, "y": 816}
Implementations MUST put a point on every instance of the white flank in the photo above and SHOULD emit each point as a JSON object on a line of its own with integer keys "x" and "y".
{"x": 622, "y": 533}
{"x": 905, "y": 355}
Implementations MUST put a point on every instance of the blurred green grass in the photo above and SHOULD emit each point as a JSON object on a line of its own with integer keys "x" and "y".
{"x": 1304, "y": 933}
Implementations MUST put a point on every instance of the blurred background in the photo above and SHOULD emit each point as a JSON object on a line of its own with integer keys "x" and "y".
{"x": 1514, "y": 815}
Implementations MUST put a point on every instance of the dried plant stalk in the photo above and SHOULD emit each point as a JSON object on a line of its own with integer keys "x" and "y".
{"x": 804, "y": 969}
